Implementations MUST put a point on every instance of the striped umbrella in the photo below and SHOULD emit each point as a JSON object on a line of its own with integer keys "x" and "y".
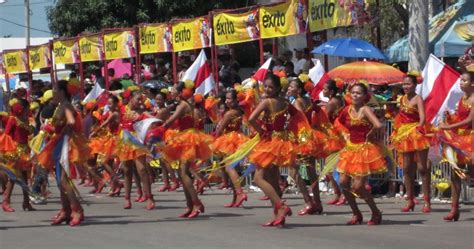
{"x": 373, "y": 72}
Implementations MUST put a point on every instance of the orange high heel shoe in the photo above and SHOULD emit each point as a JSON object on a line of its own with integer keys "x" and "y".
{"x": 356, "y": 219}
{"x": 376, "y": 219}
{"x": 453, "y": 214}
{"x": 280, "y": 220}
{"x": 241, "y": 197}
{"x": 76, "y": 221}
{"x": 198, "y": 208}
{"x": 6, "y": 207}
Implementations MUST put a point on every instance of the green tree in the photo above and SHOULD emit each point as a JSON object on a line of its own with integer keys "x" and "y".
{"x": 71, "y": 17}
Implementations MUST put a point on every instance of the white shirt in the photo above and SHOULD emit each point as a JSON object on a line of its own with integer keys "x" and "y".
{"x": 299, "y": 66}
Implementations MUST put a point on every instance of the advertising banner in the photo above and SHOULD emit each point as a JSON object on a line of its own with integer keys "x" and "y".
{"x": 15, "y": 61}
{"x": 91, "y": 48}
{"x": 283, "y": 19}
{"x": 191, "y": 34}
{"x": 39, "y": 56}
{"x": 236, "y": 28}
{"x": 119, "y": 45}
{"x": 155, "y": 38}
{"x": 66, "y": 51}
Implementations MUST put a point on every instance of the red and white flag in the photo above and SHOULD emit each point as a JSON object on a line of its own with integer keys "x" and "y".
{"x": 200, "y": 73}
{"x": 440, "y": 89}
{"x": 319, "y": 77}
{"x": 262, "y": 71}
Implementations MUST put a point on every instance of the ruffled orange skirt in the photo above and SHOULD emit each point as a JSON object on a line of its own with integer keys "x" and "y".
{"x": 104, "y": 146}
{"x": 228, "y": 143}
{"x": 126, "y": 151}
{"x": 276, "y": 150}
{"x": 187, "y": 146}
{"x": 406, "y": 138}
{"x": 313, "y": 145}
{"x": 361, "y": 160}
{"x": 464, "y": 140}
{"x": 79, "y": 151}
{"x": 334, "y": 141}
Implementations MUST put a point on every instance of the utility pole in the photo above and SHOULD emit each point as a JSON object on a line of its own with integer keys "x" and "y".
{"x": 418, "y": 34}
{"x": 27, "y": 22}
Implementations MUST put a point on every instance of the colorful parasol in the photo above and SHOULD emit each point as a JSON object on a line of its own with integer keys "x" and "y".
{"x": 373, "y": 72}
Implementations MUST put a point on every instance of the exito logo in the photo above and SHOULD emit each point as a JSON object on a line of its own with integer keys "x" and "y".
{"x": 34, "y": 57}
{"x": 111, "y": 46}
{"x": 86, "y": 48}
{"x": 225, "y": 28}
{"x": 277, "y": 19}
{"x": 11, "y": 62}
{"x": 147, "y": 38}
{"x": 60, "y": 51}
{"x": 323, "y": 10}
{"x": 183, "y": 35}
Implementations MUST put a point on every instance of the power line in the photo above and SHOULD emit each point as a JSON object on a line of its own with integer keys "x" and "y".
{"x": 21, "y": 25}
{"x": 15, "y": 5}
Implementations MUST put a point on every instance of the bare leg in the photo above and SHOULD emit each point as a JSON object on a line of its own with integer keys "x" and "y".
{"x": 145, "y": 179}
{"x": 425, "y": 174}
{"x": 128, "y": 174}
{"x": 409, "y": 171}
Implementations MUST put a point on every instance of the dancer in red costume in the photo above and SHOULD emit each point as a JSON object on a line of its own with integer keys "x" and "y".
{"x": 67, "y": 124}
{"x": 335, "y": 140}
{"x": 408, "y": 139}
{"x": 309, "y": 149}
{"x": 132, "y": 155}
{"x": 228, "y": 141}
{"x": 104, "y": 140}
{"x": 185, "y": 144}
{"x": 360, "y": 157}
{"x": 277, "y": 147}
{"x": 459, "y": 134}
{"x": 16, "y": 133}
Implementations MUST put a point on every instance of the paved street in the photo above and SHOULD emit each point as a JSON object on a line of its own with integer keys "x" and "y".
{"x": 107, "y": 225}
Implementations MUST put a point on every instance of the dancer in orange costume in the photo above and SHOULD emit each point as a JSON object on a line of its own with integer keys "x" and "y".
{"x": 360, "y": 157}
{"x": 309, "y": 147}
{"x": 16, "y": 151}
{"x": 67, "y": 127}
{"x": 335, "y": 141}
{"x": 229, "y": 139}
{"x": 186, "y": 145}
{"x": 408, "y": 139}
{"x": 104, "y": 140}
{"x": 277, "y": 147}
{"x": 459, "y": 134}
{"x": 133, "y": 155}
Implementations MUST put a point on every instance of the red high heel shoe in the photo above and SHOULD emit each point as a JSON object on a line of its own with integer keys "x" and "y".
{"x": 198, "y": 208}
{"x": 7, "y": 208}
{"x": 264, "y": 198}
{"x": 140, "y": 197}
{"x": 128, "y": 203}
{"x": 342, "y": 201}
{"x": 376, "y": 219}
{"x": 280, "y": 221}
{"x": 271, "y": 222}
{"x": 174, "y": 186}
{"x": 427, "y": 206}
{"x": 76, "y": 221}
{"x": 116, "y": 191}
{"x": 241, "y": 197}
{"x": 62, "y": 216}
{"x": 312, "y": 208}
{"x": 201, "y": 185}
{"x": 356, "y": 219}
{"x": 231, "y": 204}
{"x": 27, "y": 207}
{"x": 164, "y": 188}
{"x": 334, "y": 201}
{"x": 151, "y": 204}
{"x": 409, "y": 207}
{"x": 186, "y": 213}
{"x": 453, "y": 214}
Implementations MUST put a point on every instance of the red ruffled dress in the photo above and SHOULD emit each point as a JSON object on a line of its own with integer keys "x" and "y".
{"x": 79, "y": 151}
{"x": 231, "y": 140}
{"x": 279, "y": 146}
{"x": 185, "y": 142}
{"x": 359, "y": 157}
{"x": 406, "y": 137}
{"x": 14, "y": 143}
{"x": 462, "y": 137}
{"x": 311, "y": 142}
{"x": 105, "y": 142}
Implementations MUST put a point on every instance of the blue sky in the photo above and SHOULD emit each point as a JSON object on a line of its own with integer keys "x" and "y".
{"x": 13, "y": 11}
